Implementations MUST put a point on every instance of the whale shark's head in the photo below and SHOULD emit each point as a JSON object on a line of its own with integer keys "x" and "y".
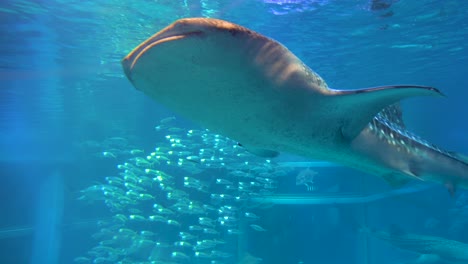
{"x": 189, "y": 40}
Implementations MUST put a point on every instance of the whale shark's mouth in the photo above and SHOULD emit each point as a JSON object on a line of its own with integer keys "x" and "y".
{"x": 181, "y": 29}
{"x": 162, "y": 37}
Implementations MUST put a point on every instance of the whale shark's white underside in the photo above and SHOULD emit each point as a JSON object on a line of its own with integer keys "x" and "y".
{"x": 252, "y": 89}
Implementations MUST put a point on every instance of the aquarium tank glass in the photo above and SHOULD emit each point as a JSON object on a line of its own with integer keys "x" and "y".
{"x": 233, "y": 131}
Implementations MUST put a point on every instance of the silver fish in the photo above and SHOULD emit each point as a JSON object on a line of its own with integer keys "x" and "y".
{"x": 258, "y": 228}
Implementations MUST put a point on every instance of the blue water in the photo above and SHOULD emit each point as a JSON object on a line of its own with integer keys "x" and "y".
{"x": 64, "y": 100}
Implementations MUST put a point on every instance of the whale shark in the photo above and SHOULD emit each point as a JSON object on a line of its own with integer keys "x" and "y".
{"x": 246, "y": 86}
{"x": 433, "y": 249}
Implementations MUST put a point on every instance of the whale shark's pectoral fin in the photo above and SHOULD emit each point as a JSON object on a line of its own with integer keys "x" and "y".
{"x": 264, "y": 153}
{"x": 358, "y": 107}
{"x": 396, "y": 181}
{"x": 429, "y": 258}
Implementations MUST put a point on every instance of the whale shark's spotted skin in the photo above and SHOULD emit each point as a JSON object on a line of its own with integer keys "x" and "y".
{"x": 386, "y": 140}
{"x": 394, "y": 132}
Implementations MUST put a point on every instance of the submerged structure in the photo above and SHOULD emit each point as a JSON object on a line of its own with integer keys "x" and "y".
{"x": 432, "y": 249}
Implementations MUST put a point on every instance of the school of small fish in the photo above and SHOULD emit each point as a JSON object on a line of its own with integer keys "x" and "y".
{"x": 186, "y": 201}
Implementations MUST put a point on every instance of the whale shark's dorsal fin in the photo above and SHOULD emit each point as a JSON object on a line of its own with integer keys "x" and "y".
{"x": 360, "y": 106}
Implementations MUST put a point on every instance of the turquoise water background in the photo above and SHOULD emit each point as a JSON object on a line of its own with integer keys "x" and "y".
{"x": 63, "y": 95}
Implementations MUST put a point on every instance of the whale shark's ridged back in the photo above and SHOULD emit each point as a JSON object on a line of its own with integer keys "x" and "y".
{"x": 388, "y": 124}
